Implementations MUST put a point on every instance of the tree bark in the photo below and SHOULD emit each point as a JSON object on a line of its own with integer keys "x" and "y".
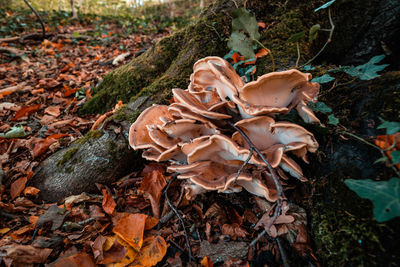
{"x": 341, "y": 224}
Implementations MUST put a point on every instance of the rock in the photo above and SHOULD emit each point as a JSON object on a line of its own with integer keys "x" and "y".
{"x": 223, "y": 251}
{"x": 96, "y": 158}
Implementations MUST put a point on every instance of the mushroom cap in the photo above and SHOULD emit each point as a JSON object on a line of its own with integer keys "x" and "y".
{"x": 174, "y": 153}
{"x": 277, "y": 92}
{"x": 186, "y": 129}
{"x": 219, "y": 148}
{"x": 183, "y": 111}
{"x": 139, "y": 137}
{"x": 187, "y": 99}
{"x": 264, "y": 132}
{"x": 215, "y": 72}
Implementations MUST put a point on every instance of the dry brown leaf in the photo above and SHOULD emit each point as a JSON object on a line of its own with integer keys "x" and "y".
{"x": 206, "y": 262}
{"x": 17, "y": 187}
{"x": 234, "y": 231}
{"x": 77, "y": 260}
{"x": 152, "y": 251}
{"x": 31, "y": 191}
{"x": 130, "y": 228}
{"x": 26, "y": 254}
{"x": 108, "y": 202}
{"x": 152, "y": 184}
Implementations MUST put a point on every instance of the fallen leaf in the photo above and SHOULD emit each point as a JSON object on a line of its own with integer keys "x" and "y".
{"x": 130, "y": 228}
{"x": 234, "y": 231}
{"x": 152, "y": 185}
{"x": 77, "y": 260}
{"x": 261, "y": 24}
{"x": 53, "y": 111}
{"x": 206, "y": 262}
{"x": 4, "y": 231}
{"x": 55, "y": 215}
{"x": 153, "y": 251}
{"x": 262, "y": 53}
{"x": 150, "y": 223}
{"x": 26, "y": 111}
{"x": 26, "y": 254}
{"x": 114, "y": 254}
{"x": 17, "y": 187}
{"x": 108, "y": 202}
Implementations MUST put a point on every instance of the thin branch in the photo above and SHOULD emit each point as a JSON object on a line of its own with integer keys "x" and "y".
{"x": 298, "y": 54}
{"x": 327, "y": 41}
{"x": 269, "y": 53}
{"x": 283, "y": 253}
{"x": 244, "y": 164}
{"x": 39, "y": 18}
{"x": 179, "y": 216}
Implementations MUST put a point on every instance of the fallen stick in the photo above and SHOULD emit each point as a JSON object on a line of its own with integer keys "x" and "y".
{"x": 12, "y": 89}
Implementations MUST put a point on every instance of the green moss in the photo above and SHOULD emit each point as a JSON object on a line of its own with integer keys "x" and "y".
{"x": 69, "y": 169}
{"x": 67, "y": 156}
{"x": 89, "y": 135}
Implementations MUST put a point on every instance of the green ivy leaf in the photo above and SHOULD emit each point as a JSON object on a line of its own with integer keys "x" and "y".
{"x": 243, "y": 20}
{"x": 320, "y": 107}
{"x": 323, "y": 79}
{"x": 385, "y": 195}
{"x": 327, "y": 4}
{"x": 395, "y": 157}
{"x": 239, "y": 42}
{"x": 333, "y": 120}
{"x": 14, "y": 132}
{"x": 391, "y": 127}
{"x": 367, "y": 71}
{"x": 296, "y": 37}
{"x": 313, "y": 33}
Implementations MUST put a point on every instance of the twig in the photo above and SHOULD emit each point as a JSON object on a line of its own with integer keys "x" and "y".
{"x": 327, "y": 41}
{"x": 244, "y": 164}
{"x": 179, "y": 217}
{"x": 283, "y": 253}
{"x": 269, "y": 53}
{"x": 298, "y": 54}
{"x": 9, "y": 39}
{"x": 12, "y": 89}
{"x": 180, "y": 248}
{"x": 39, "y": 18}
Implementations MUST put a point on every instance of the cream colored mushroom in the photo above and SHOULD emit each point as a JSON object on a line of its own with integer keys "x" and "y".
{"x": 278, "y": 92}
{"x": 139, "y": 137}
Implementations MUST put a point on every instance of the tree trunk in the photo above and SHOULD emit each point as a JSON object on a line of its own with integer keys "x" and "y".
{"x": 74, "y": 11}
{"x": 340, "y": 224}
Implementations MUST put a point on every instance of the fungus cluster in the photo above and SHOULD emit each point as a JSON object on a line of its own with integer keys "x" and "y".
{"x": 195, "y": 134}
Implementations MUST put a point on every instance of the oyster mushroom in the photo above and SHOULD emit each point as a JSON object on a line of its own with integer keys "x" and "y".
{"x": 278, "y": 92}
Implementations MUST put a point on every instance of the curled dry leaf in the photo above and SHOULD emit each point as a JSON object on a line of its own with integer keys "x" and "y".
{"x": 108, "y": 202}
{"x": 31, "y": 191}
{"x": 152, "y": 185}
{"x": 152, "y": 252}
{"x": 206, "y": 262}
{"x": 17, "y": 187}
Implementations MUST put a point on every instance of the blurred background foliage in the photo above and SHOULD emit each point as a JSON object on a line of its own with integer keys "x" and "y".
{"x": 131, "y": 15}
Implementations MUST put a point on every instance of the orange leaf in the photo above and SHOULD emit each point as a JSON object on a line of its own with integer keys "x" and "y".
{"x": 42, "y": 146}
{"x": 130, "y": 228}
{"x": 17, "y": 187}
{"x": 150, "y": 223}
{"x": 25, "y": 111}
{"x": 261, "y": 25}
{"x": 152, "y": 184}
{"x": 262, "y": 53}
{"x": 237, "y": 58}
{"x": 69, "y": 91}
{"x": 31, "y": 191}
{"x": 108, "y": 202}
{"x": 152, "y": 252}
{"x": 206, "y": 262}
{"x": 77, "y": 260}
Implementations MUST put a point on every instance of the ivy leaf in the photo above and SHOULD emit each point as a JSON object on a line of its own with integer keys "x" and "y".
{"x": 14, "y": 132}
{"x": 323, "y": 79}
{"x": 319, "y": 106}
{"x": 367, "y": 71}
{"x": 391, "y": 127}
{"x": 239, "y": 42}
{"x": 313, "y": 33}
{"x": 327, "y": 4}
{"x": 245, "y": 21}
{"x": 296, "y": 37}
{"x": 308, "y": 67}
{"x": 385, "y": 195}
{"x": 395, "y": 157}
{"x": 333, "y": 120}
